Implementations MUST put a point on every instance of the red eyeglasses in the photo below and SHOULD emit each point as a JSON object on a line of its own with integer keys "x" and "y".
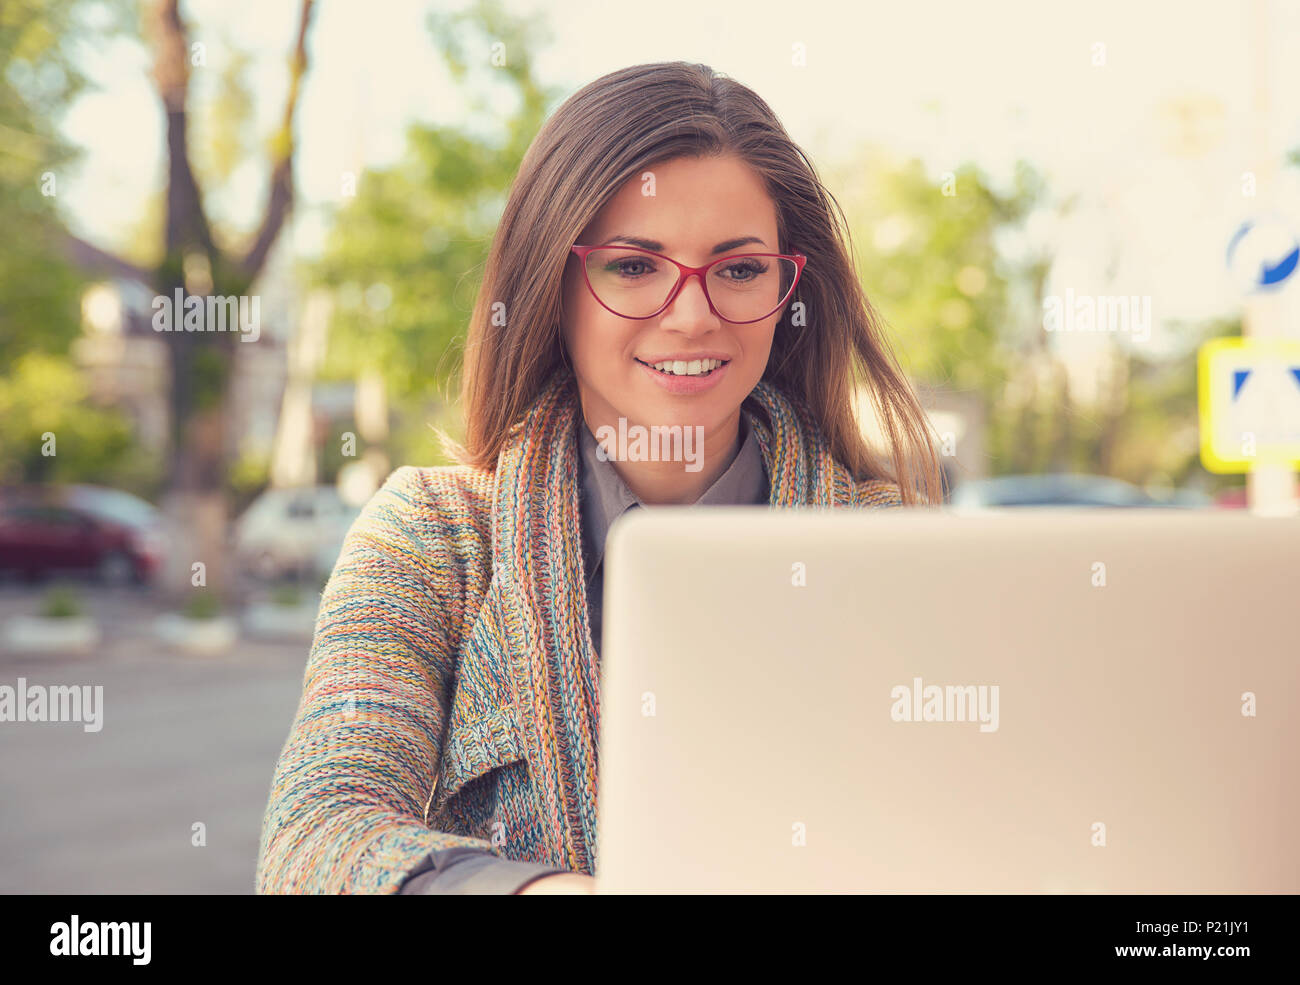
{"x": 740, "y": 288}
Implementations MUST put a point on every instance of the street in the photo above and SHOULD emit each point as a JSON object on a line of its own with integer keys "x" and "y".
{"x": 185, "y": 741}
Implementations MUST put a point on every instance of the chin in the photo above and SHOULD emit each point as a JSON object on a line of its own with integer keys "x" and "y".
{"x": 708, "y": 410}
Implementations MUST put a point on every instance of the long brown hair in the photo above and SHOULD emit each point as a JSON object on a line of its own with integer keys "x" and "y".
{"x": 612, "y": 130}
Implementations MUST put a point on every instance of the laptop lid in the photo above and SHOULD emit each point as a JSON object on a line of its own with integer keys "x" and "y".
{"x": 928, "y": 701}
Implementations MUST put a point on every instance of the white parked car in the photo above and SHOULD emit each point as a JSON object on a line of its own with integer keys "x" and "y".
{"x": 293, "y": 531}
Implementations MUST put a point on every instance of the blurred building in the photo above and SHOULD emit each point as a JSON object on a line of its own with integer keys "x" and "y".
{"x": 126, "y": 367}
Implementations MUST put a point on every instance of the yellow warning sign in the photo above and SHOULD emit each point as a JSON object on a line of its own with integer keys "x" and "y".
{"x": 1249, "y": 397}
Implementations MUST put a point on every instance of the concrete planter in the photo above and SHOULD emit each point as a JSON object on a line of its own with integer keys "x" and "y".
{"x": 201, "y": 637}
{"x": 268, "y": 621}
{"x": 37, "y": 634}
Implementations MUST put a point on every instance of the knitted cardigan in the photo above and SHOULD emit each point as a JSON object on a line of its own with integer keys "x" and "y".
{"x": 451, "y": 695}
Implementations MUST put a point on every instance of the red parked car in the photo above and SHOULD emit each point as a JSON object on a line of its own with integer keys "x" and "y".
{"x": 106, "y": 533}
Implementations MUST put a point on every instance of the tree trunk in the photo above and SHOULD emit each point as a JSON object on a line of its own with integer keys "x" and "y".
{"x": 202, "y": 363}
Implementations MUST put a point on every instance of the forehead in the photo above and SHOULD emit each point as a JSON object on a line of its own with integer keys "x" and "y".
{"x": 689, "y": 204}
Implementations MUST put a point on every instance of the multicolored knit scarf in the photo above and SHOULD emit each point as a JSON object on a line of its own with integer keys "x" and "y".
{"x": 537, "y": 555}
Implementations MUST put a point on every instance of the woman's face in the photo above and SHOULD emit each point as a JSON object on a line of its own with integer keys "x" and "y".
{"x": 701, "y": 209}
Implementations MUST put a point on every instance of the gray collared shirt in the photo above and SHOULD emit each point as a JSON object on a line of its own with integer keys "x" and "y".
{"x": 606, "y": 497}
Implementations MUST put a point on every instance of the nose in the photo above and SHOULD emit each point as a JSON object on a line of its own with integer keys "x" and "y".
{"x": 689, "y": 310}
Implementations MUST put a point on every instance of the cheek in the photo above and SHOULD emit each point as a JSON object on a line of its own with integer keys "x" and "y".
{"x": 596, "y": 339}
{"x": 577, "y": 326}
{"x": 583, "y": 330}
{"x": 758, "y": 347}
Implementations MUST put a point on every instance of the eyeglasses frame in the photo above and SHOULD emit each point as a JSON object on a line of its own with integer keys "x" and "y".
{"x": 684, "y": 273}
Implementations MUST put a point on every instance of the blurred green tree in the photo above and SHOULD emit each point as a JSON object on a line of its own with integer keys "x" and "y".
{"x": 49, "y": 432}
{"x": 40, "y": 294}
{"x": 927, "y": 252}
{"x": 963, "y": 315}
{"x": 41, "y": 392}
{"x": 404, "y": 256}
{"x": 40, "y": 289}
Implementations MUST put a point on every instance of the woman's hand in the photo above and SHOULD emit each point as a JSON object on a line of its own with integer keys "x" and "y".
{"x": 563, "y": 883}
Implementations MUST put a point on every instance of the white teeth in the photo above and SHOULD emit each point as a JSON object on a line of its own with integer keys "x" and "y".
{"x": 680, "y": 367}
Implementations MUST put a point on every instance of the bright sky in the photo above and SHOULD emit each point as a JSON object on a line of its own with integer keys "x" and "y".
{"x": 948, "y": 81}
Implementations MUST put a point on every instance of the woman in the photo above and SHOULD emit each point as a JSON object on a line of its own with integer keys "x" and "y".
{"x": 446, "y": 736}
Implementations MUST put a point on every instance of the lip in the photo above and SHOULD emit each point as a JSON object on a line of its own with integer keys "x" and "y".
{"x": 684, "y": 357}
{"x": 686, "y": 384}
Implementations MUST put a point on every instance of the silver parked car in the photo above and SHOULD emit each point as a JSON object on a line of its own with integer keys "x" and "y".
{"x": 1066, "y": 489}
{"x": 293, "y": 531}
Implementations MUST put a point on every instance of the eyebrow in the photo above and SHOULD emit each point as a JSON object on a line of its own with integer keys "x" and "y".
{"x": 658, "y": 247}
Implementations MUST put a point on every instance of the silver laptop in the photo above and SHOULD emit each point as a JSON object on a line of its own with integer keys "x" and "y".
{"x": 928, "y": 701}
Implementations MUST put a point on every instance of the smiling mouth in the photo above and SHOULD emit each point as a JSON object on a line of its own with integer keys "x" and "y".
{"x": 679, "y": 367}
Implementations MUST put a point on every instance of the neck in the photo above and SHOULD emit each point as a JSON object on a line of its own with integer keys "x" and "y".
{"x": 669, "y": 482}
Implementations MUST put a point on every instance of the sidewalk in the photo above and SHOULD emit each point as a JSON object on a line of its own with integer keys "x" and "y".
{"x": 185, "y": 741}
